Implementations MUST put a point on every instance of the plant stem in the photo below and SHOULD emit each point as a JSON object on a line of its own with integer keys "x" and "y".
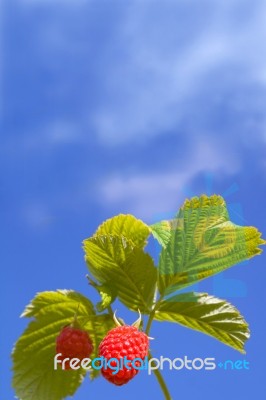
{"x": 161, "y": 381}
{"x": 148, "y": 327}
{"x": 110, "y": 311}
{"x": 156, "y": 371}
{"x": 151, "y": 316}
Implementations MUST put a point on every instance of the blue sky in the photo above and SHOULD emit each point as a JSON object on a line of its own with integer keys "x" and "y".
{"x": 131, "y": 106}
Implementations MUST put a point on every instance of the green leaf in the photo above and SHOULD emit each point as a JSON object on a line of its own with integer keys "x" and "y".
{"x": 128, "y": 226}
{"x": 206, "y": 314}
{"x": 131, "y": 271}
{"x": 107, "y": 293}
{"x": 61, "y": 300}
{"x": 203, "y": 243}
{"x": 162, "y": 232}
{"x": 34, "y": 376}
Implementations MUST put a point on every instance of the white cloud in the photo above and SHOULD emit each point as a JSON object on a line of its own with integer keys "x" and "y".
{"x": 50, "y": 136}
{"x": 156, "y": 65}
{"x": 149, "y": 194}
{"x": 153, "y": 83}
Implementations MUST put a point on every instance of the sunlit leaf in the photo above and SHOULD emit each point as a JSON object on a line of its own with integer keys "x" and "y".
{"x": 34, "y": 376}
{"x": 203, "y": 243}
{"x": 127, "y": 226}
{"x": 206, "y": 314}
{"x": 131, "y": 271}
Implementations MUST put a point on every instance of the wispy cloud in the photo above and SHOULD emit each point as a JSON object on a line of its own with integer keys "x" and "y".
{"x": 157, "y": 65}
{"x": 190, "y": 70}
{"x": 148, "y": 194}
{"x": 164, "y": 66}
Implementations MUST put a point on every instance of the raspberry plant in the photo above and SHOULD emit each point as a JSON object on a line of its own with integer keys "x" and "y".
{"x": 200, "y": 242}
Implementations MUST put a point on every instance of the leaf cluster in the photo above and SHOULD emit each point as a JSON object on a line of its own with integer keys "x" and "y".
{"x": 199, "y": 242}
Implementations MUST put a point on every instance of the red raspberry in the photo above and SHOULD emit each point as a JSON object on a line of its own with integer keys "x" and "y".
{"x": 73, "y": 343}
{"x": 123, "y": 341}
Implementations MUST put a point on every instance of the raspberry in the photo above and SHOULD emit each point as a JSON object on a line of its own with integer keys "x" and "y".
{"x": 73, "y": 343}
{"x": 123, "y": 341}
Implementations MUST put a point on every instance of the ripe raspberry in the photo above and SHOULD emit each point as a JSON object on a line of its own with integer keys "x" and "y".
{"x": 123, "y": 341}
{"x": 73, "y": 343}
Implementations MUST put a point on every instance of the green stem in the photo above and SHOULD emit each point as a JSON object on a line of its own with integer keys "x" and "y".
{"x": 110, "y": 311}
{"x": 152, "y": 314}
{"x": 156, "y": 371}
{"x": 148, "y": 327}
{"x": 161, "y": 381}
